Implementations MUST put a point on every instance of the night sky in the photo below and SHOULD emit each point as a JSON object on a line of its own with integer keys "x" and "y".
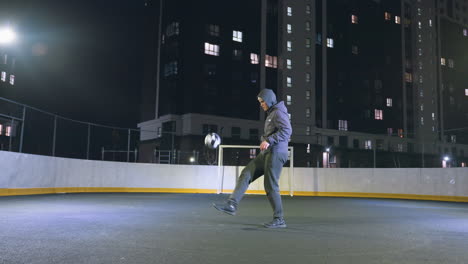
{"x": 79, "y": 59}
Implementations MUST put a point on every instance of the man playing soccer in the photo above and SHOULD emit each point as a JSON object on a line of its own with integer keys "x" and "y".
{"x": 270, "y": 161}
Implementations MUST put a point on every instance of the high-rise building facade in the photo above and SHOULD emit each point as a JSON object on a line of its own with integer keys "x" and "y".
{"x": 358, "y": 76}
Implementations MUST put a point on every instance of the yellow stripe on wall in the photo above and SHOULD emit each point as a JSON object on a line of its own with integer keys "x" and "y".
{"x": 33, "y": 191}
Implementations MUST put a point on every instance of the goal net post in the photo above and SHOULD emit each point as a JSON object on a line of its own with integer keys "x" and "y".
{"x": 288, "y": 171}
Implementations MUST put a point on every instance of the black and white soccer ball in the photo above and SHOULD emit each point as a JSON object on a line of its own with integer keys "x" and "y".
{"x": 212, "y": 140}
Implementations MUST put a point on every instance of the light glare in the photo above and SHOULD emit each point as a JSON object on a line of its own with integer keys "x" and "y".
{"x": 7, "y": 35}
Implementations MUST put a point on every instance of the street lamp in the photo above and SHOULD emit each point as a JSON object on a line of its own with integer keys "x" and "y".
{"x": 446, "y": 162}
{"x": 7, "y": 35}
{"x": 326, "y": 157}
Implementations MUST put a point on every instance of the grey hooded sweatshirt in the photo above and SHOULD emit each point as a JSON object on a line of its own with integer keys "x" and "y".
{"x": 277, "y": 130}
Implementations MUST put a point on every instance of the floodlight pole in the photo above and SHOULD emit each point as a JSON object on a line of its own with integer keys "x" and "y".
{"x": 54, "y": 136}
{"x": 22, "y": 130}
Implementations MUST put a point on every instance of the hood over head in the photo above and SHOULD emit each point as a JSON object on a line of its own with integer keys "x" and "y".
{"x": 268, "y": 96}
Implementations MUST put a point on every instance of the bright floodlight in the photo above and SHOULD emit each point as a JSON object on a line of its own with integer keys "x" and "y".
{"x": 446, "y": 158}
{"x": 7, "y": 35}
{"x": 192, "y": 159}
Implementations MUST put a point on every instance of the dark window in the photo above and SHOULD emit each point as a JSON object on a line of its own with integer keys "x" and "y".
{"x": 330, "y": 141}
{"x": 208, "y": 128}
{"x": 236, "y": 132}
{"x": 356, "y": 143}
{"x": 213, "y": 30}
{"x": 237, "y": 54}
{"x": 380, "y": 144}
{"x": 169, "y": 127}
{"x": 210, "y": 69}
{"x": 343, "y": 140}
{"x": 253, "y": 134}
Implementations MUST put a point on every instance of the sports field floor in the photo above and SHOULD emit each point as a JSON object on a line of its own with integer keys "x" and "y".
{"x": 184, "y": 228}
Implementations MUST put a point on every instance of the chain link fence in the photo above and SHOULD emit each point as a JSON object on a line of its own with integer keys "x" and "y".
{"x": 30, "y": 130}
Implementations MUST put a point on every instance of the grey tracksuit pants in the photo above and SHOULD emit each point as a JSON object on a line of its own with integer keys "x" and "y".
{"x": 269, "y": 164}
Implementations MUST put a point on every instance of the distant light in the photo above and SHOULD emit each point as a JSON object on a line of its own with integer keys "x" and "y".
{"x": 192, "y": 159}
{"x": 7, "y": 35}
{"x": 446, "y": 158}
{"x": 327, "y": 149}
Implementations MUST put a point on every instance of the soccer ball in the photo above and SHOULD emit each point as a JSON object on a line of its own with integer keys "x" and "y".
{"x": 212, "y": 140}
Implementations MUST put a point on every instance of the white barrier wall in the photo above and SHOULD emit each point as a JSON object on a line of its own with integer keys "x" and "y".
{"x": 29, "y": 174}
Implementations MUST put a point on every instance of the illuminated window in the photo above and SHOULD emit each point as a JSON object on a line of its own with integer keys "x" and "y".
{"x": 288, "y": 63}
{"x": 442, "y": 61}
{"x": 378, "y": 114}
{"x": 307, "y": 60}
{"x": 308, "y": 112}
{"x": 170, "y": 68}
{"x": 389, "y": 102}
{"x": 308, "y": 145}
{"x": 254, "y": 58}
{"x": 308, "y": 94}
{"x": 3, "y": 77}
{"x": 419, "y": 25}
{"x": 237, "y": 36}
{"x": 308, "y": 9}
{"x": 308, "y": 77}
{"x": 8, "y": 131}
{"x": 330, "y": 43}
{"x": 289, "y": 28}
{"x": 400, "y": 132}
{"x": 213, "y": 30}
{"x": 354, "y": 19}
{"x": 253, "y": 153}
{"x": 400, "y": 147}
{"x": 211, "y": 49}
{"x": 390, "y": 131}
{"x": 368, "y": 144}
{"x": 397, "y": 20}
{"x": 271, "y": 61}
{"x": 288, "y": 100}
{"x": 422, "y": 120}
{"x": 288, "y": 81}
{"x": 388, "y": 16}
{"x": 465, "y": 32}
{"x": 1, "y": 129}
{"x": 172, "y": 29}
{"x": 453, "y": 138}
{"x": 433, "y": 116}
{"x": 12, "y": 79}
{"x": 307, "y": 42}
{"x": 308, "y": 134}
{"x": 318, "y": 39}
{"x": 343, "y": 125}
{"x": 289, "y": 45}
{"x": 451, "y": 63}
{"x": 408, "y": 77}
{"x": 466, "y": 92}
{"x": 430, "y": 22}
{"x": 289, "y": 11}
{"x": 307, "y": 26}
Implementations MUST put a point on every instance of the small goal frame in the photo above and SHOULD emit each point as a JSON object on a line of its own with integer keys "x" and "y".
{"x": 221, "y": 171}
